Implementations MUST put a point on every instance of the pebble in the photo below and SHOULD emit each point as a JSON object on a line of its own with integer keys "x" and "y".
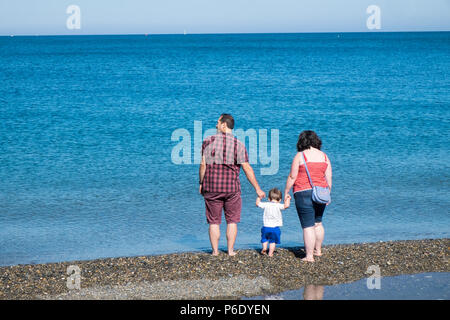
{"x": 198, "y": 275}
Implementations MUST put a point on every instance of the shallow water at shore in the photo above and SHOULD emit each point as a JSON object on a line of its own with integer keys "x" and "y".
{"x": 422, "y": 286}
{"x": 86, "y": 128}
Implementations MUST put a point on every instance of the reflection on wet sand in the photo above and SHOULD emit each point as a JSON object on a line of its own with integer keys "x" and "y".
{"x": 313, "y": 292}
{"x": 420, "y": 286}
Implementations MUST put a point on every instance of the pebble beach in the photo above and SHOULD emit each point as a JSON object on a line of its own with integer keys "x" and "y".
{"x": 199, "y": 275}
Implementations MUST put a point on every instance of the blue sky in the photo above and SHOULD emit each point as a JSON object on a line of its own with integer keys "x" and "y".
{"x": 29, "y": 17}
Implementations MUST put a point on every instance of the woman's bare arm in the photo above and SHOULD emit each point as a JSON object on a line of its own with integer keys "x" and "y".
{"x": 329, "y": 173}
{"x": 287, "y": 203}
{"x": 292, "y": 175}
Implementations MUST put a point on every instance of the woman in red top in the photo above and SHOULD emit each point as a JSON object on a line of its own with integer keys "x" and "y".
{"x": 309, "y": 212}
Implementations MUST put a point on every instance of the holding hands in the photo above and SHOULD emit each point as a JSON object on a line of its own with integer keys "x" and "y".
{"x": 287, "y": 199}
{"x": 287, "y": 196}
{"x": 261, "y": 194}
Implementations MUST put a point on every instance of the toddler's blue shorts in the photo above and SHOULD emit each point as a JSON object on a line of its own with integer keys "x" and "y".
{"x": 270, "y": 234}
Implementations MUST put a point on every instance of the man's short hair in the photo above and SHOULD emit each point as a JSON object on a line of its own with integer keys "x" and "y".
{"x": 228, "y": 119}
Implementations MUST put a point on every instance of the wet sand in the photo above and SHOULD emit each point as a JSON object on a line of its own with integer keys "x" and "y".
{"x": 198, "y": 275}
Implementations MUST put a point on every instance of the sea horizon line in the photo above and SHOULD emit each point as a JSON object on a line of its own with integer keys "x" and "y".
{"x": 221, "y": 33}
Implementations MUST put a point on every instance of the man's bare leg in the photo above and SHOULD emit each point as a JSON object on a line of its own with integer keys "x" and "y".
{"x": 231, "y": 237}
{"x": 214, "y": 236}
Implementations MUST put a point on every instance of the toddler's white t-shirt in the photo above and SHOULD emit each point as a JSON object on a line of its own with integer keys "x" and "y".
{"x": 272, "y": 214}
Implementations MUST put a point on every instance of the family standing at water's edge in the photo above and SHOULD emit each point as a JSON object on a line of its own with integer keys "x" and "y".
{"x": 311, "y": 177}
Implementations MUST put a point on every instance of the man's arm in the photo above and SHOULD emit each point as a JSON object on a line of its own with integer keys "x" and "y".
{"x": 248, "y": 170}
{"x": 201, "y": 173}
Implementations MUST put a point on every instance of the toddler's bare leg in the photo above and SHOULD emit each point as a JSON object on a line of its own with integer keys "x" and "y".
{"x": 264, "y": 247}
{"x": 271, "y": 249}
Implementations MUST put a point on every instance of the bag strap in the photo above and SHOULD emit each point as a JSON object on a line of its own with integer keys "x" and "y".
{"x": 307, "y": 171}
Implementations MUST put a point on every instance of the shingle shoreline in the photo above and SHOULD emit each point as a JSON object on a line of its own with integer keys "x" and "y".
{"x": 198, "y": 275}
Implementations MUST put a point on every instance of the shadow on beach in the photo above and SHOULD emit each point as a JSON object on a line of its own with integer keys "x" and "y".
{"x": 299, "y": 252}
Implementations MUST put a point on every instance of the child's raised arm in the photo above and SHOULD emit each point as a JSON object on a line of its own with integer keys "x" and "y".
{"x": 258, "y": 200}
{"x": 260, "y": 204}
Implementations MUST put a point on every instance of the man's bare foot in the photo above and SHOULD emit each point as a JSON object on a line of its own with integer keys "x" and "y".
{"x": 317, "y": 253}
{"x": 215, "y": 253}
{"x": 263, "y": 252}
{"x": 232, "y": 253}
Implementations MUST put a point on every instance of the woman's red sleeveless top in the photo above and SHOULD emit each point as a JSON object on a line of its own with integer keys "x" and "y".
{"x": 317, "y": 172}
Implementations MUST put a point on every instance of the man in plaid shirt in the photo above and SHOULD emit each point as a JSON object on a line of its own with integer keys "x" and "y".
{"x": 222, "y": 158}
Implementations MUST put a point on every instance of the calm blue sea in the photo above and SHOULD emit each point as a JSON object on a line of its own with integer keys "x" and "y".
{"x": 86, "y": 124}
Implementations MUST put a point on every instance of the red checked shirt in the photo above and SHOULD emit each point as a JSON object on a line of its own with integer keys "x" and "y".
{"x": 224, "y": 155}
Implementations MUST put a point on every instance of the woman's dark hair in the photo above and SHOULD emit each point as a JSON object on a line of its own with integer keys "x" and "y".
{"x": 308, "y": 139}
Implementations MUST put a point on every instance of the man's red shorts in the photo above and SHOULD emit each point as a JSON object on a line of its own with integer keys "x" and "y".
{"x": 231, "y": 203}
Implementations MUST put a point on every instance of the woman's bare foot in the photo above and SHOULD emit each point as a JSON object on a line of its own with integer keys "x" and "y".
{"x": 307, "y": 259}
{"x": 317, "y": 253}
{"x": 263, "y": 252}
{"x": 232, "y": 253}
{"x": 215, "y": 253}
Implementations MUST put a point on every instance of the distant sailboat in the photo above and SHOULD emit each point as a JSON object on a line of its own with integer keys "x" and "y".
{"x": 185, "y": 33}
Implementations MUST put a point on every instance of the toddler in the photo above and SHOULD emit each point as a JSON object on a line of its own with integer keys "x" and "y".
{"x": 270, "y": 232}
